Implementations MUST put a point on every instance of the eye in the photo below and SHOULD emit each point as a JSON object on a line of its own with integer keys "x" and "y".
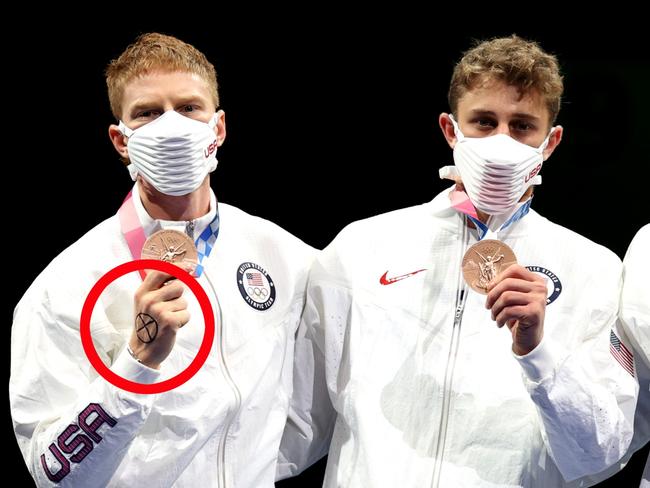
{"x": 147, "y": 114}
{"x": 485, "y": 123}
{"x": 522, "y": 126}
{"x": 188, "y": 108}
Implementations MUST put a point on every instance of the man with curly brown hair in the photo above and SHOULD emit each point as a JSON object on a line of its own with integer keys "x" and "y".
{"x": 413, "y": 376}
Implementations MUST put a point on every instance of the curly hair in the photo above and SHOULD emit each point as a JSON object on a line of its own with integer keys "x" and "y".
{"x": 513, "y": 60}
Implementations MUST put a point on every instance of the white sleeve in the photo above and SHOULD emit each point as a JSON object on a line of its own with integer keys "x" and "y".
{"x": 72, "y": 427}
{"x": 635, "y": 299}
{"x": 311, "y": 418}
{"x": 584, "y": 396}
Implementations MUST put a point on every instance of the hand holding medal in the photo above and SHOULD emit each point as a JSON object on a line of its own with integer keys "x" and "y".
{"x": 159, "y": 305}
{"x": 516, "y": 296}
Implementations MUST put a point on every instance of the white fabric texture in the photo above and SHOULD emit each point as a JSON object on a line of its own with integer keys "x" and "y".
{"x": 635, "y": 301}
{"x": 379, "y": 356}
{"x": 496, "y": 170}
{"x": 635, "y": 318}
{"x": 173, "y": 152}
{"x": 193, "y": 436}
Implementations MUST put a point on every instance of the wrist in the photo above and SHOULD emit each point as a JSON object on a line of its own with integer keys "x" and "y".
{"x": 130, "y": 351}
{"x": 523, "y": 350}
{"x": 527, "y": 343}
{"x": 141, "y": 358}
{"x": 541, "y": 362}
{"x": 129, "y": 368}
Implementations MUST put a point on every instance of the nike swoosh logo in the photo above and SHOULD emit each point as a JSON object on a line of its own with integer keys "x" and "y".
{"x": 384, "y": 280}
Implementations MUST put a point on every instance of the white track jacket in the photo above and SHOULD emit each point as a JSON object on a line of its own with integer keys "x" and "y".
{"x": 635, "y": 315}
{"x": 635, "y": 301}
{"x": 220, "y": 429}
{"x": 635, "y": 322}
{"x": 420, "y": 391}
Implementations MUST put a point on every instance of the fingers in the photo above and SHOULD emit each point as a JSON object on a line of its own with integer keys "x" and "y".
{"x": 515, "y": 278}
{"x": 504, "y": 286}
{"x": 518, "y": 295}
{"x": 517, "y": 271}
{"x": 177, "y": 304}
{"x": 183, "y": 317}
{"x": 171, "y": 291}
{"x": 176, "y": 320}
{"x": 160, "y": 310}
{"x": 154, "y": 280}
{"x": 156, "y": 301}
{"x": 507, "y": 299}
{"x": 525, "y": 314}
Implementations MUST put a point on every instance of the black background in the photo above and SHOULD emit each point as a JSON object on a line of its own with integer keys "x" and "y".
{"x": 331, "y": 117}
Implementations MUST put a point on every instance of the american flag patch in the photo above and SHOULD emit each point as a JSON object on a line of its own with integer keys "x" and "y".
{"x": 621, "y": 353}
{"x": 254, "y": 279}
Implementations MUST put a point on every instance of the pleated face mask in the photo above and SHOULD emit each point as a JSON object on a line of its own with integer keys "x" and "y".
{"x": 497, "y": 170}
{"x": 174, "y": 153}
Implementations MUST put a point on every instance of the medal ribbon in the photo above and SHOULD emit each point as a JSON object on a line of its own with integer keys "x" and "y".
{"x": 134, "y": 234}
{"x": 461, "y": 202}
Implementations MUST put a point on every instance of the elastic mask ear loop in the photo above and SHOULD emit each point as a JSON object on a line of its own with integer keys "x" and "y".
{"x": 459, "y": 135}
{"x": 126, "y": 132}
{"x": 124, "y": 129}
{"x": 215, "y": 118}
{"x": 544, "y": 144}
{"x": 451, "y": 172}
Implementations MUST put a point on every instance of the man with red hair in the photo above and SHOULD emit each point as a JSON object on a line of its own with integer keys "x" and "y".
{"x": 222, "y": 427}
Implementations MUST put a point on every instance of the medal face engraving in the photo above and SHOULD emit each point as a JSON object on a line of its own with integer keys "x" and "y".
{"x": 484, "y": 261}
{"x": 173, "y": 247}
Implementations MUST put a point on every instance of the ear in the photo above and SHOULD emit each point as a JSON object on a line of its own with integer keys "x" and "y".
{"x": 220, "y": 127}
{"x": 119, "y": 141}
{"x": 447, "y": 129}
{"x": 553, "y": 141}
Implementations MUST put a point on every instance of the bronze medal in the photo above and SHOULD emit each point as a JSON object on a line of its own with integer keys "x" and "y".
{"x": 484, "y": 261}
{"x": 173, "y": 247}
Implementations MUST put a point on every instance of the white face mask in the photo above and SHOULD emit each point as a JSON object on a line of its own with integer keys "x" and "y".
{"x": 174, "y": 153}
{"x": 496, "y": 170}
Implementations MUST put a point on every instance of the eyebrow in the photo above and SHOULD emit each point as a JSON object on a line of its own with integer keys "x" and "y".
{"x": 148, "y": 104}
{"x": 141, "y": 106}
{"x": 518, "y": 115}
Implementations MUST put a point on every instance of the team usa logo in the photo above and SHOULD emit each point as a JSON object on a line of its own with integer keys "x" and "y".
{"x": 554, "y": 284}
{"x": 75, "y": 442}
{"x": 256, "y": 286}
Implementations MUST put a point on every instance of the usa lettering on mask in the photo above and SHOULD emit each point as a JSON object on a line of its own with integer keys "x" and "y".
{"x": 497, "y": 170}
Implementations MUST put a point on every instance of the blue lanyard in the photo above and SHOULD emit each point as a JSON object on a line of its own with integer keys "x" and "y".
{"x": 461, "y": 202}
{"x": 205, "y": 242}
{"x": 518, "y": 215}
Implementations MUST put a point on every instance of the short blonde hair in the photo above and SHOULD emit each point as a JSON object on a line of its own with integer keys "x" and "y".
{"x": 156, "y": 52}
{"x": 513, "y": 60}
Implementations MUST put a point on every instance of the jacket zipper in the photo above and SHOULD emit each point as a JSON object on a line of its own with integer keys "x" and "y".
{"x": 461, "y": 294}
{"x": 189, "y": 229}
{"x": 234, "y": 411}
